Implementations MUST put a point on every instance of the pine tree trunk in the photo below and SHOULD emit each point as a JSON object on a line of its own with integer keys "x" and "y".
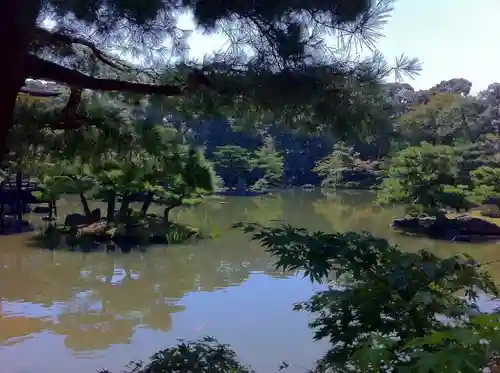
{"x": 146, "y": 204}
{"x": 111, "y": 201}
{"x": 85, "y": 205}
{"x": 166, "y": 215}
{"x": 124, "y": 206}
{"x": 17, "y": 24}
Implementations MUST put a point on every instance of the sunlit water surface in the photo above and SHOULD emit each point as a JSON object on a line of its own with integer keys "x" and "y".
{"x": 72, "y": 312}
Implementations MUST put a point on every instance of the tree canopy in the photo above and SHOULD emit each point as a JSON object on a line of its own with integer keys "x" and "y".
{"x": 279, "y": 62}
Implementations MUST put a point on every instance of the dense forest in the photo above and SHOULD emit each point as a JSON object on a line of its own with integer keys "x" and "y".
{"x": 446, "y": 114}
{"x": 280, "y": 107}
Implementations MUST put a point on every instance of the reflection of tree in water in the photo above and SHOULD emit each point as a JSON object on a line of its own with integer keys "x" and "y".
{"x": 24, "y": 275}
{"x": 94, "y": 331}
{"x": 353, "y": 211}
{"x": 222, "y": 213}
{"x": 102, "y": 298}
{"x": 265, "y": 209}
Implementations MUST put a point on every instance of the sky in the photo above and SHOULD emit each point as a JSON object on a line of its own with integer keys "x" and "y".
{"x": 452, "y": 39}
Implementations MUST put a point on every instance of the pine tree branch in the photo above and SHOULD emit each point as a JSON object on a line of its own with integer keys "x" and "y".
{"x": 38, "y": 92}
{"x": 45, "y": 37}
{"x": 38, "y": 68}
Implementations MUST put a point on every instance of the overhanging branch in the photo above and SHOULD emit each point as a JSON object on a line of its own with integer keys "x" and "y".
{"x": 37, "y": 92}
{"x": 38, "y": 68}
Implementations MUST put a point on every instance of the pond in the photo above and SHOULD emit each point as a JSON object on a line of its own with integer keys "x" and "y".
{"x": 69, "y": 311}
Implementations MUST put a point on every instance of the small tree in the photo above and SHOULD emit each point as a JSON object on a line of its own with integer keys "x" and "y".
{"x": 457, "y": 197}
{"x": 421, "y": 178}
{"x": 64, "y": 176}
{"x": 152, "y": 164}
{"x": 332, "y": 167}
{"x": 270, "y": 163}
{"x": 431, "y": 119}
{"x": 194, "y": 179}
{"x": 205, "y": 355}
{"x": 234, "y": 162}
{"x": 486, "y": 185}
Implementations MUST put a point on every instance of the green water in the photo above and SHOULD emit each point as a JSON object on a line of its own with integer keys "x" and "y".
{"x": 68, "y": 311}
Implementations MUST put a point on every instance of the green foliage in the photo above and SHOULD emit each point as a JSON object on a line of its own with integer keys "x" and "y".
{"x": 240, "y": 162}
{"x": 268, "y": 73}
{"x": 233, "y": 157}
{"x": 381, "y": 313}
{"x": 486, "y": 185}
{"x": 206, "y": 355}
{"x": 283, "y": 38}
{"x": 179, "y": 235}
{"x": 271, "y": 164}
{"x": 481, "y": 152}
{"x": 457, "y": 197}
{"x": 487, "y": 176}
{"x": 332, "y": 167}
{"x": 98, "y": 162}
{"x": 312, "y": 98}
{"x": 437, "y": 121}
{"x": 468, "y": 348}
{"x": 422, "y": 178}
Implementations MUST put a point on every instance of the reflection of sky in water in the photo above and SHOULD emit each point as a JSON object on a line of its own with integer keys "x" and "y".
{"x": 31, "y": 309}
{"x": 119, "y": 275}
{"x": 255, "y": 318}
{"x": 81, "y": 299}
{"x": 80, "y": 302}
{"x": 486, "y": 304}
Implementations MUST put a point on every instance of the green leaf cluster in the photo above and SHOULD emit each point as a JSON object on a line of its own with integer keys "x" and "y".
{"x": 388, "y": 310}
{"x": 423, "y": 178}
{"x": 96, "y": 162}
{"x": 243, "y": 162}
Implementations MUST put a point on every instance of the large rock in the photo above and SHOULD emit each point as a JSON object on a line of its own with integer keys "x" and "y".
{"x": 478, "y": 226}
{"x": 414, "y": 224}
{"x": 459, "y": 228}
{"x": 75, "y": 220}
{"x": 98, "y": 228}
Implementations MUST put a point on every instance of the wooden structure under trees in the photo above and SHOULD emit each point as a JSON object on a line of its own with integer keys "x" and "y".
{"x": 16, "y": 195}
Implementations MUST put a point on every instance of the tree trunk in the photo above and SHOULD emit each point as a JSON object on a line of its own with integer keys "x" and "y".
{"x": 17, "y": 25}
{"x": 54, "y": 206}
{"x": 85, "y": 205}
{"x": 166, "y": 215}
{"x": 51, "y": 210}
{"x": 146, "y": 204}
{"x": 166, "y": 212}
{"x": 19, "y": 195}
{"x": 122, "y": 213}
{"x": 2, "y": 206}
{"x": 110, "y": 214}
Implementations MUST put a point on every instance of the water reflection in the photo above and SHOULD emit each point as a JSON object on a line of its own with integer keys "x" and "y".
{"x": 87, "y": 311}
{"x": 355, "y": 211}
{"x": 98, "y": 300}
